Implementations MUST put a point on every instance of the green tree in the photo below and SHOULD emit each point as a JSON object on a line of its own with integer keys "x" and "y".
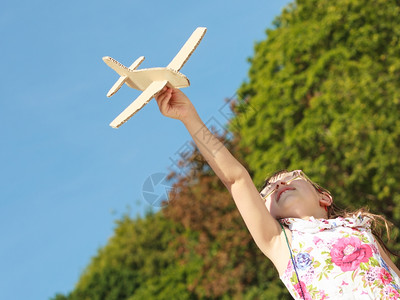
{"x": 233, "y": 267}
{"x": 325, "y": 88}
{"x": 195, "y": 248}
{"x": 140, "y": 261}
{"x": 323, "y": 96}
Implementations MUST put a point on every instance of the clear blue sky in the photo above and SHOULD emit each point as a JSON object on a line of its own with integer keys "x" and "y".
{"x": 66, "y": 176}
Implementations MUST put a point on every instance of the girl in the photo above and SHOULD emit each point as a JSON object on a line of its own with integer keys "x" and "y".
{"x": 317, "y": 257}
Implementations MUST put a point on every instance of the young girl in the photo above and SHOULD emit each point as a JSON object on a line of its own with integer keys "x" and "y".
{"x": 317, "y": 256}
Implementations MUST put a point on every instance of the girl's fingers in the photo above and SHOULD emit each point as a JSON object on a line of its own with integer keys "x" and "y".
{"x": 163, "y": 99}
{"x": 165, "y": 102}
{"x": 160, "y": 96}
{"x": 162, "y": 90}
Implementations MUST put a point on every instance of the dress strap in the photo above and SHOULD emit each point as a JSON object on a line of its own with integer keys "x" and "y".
{"x": 293, "y": 262}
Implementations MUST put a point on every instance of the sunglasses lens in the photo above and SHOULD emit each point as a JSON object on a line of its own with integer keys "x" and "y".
{"x": 271, "y": 187}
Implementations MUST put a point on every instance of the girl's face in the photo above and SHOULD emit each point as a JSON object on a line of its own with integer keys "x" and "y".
{"x": 290, "y": 194}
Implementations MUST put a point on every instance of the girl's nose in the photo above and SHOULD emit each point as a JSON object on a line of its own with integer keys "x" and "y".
{"x": 279, "y": 183}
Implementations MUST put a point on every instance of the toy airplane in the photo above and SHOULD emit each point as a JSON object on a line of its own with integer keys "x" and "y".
{"x": 153, "y": 80}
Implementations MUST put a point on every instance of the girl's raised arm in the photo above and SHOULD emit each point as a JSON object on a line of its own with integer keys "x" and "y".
{"x": 264, "y": 229}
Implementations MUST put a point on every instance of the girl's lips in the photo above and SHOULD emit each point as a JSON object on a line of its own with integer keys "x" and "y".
{"x": 282, "y": 190}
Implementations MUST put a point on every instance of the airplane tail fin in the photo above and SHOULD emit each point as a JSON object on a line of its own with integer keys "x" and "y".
{"x": 121, "y": 70}
{"x": 188, "y": 48}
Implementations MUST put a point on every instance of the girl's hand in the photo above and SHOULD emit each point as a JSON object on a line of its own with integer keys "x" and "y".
{"x": 173, "y": 103}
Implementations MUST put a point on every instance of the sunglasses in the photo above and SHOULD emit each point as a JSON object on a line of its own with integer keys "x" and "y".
{"x": 288, "y": 178}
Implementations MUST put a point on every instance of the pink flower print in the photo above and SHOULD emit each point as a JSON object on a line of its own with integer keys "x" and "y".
{"x": 317, "y": 240}
{"x": 374, "y": 249}
{"x": 391, "y": 293}
{"x": 289, "y": 267}
{"x": 371, "y": 276}
{"x": 308, "y": 277}
{"x": 384, "y": 276}
{"x": 303, "y": 288}
{"x": 348, "y": 253}
{"x": 322, "y": 295}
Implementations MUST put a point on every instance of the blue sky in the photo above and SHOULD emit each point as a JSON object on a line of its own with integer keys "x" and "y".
{"x": 66, "y": 176}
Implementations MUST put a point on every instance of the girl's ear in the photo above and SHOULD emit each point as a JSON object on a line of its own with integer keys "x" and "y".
{"x": 325, "y": 200}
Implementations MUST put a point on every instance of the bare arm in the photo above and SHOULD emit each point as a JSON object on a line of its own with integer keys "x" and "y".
{"x": 227, "y": 168}
{"x": 262, "y": 226}
{"x": 264, "y": 229}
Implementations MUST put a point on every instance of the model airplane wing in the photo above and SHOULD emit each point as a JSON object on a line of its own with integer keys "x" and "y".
{"x": 140, "y": 101}
{"x": 188, "y": 48}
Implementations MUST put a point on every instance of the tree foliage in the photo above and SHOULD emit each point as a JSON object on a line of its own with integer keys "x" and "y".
{"x": 325, "y": 90}
{"x": 138, "y": 262}
{"x": 195, "y": 248}
{"x": 233, "y": 266}
{"x": 323, "y": 95}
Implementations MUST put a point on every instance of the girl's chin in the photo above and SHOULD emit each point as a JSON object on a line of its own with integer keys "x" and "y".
{"x": 288, "y": 206}
{"x": 287, "y": 200}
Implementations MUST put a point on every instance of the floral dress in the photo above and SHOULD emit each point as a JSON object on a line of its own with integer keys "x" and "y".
{"x": 337, "y": 259}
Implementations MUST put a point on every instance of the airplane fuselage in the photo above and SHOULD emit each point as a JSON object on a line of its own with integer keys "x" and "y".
{"x": 141, "y": 79}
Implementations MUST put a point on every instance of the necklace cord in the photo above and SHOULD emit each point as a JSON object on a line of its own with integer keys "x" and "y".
{"x": 293, "y": 262}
